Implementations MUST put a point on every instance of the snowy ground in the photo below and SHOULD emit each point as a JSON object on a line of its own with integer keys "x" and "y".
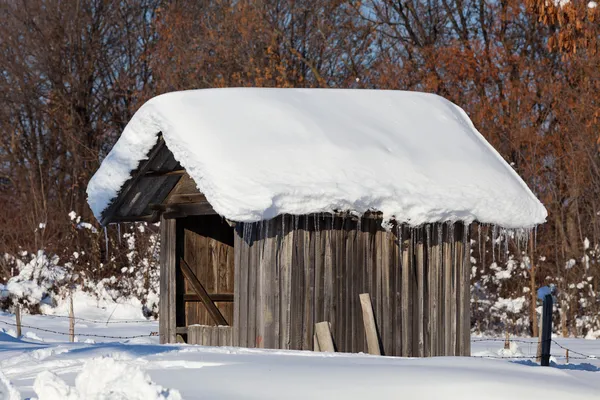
{"x": 44, "y": 365}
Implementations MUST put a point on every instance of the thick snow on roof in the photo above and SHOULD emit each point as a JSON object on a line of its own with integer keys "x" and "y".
{"x": 258, "y": 153}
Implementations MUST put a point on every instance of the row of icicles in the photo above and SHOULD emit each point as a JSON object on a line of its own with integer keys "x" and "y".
{"x": 500, "y": 237}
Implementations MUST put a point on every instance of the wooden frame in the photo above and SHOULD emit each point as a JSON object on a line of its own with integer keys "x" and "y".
{"x": 202, "y": 294}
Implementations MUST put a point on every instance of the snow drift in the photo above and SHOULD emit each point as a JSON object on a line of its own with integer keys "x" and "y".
{"x": 140, "y": 368}
{"x": 7, "y": 390}
{"x": 103, "y": 379}
{"x": 258, "y": 153}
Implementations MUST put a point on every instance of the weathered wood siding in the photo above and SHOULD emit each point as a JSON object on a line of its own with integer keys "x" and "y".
{"x": 168, "y": 272}
{"x": 210, "y": 335}
{"x": 295, "y": 271}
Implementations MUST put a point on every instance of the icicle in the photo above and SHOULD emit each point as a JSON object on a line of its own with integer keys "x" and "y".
{"x": 466, "y": 245}
{"x": 248, "y": 231}
{"x": 412, "y": 238}
{"x": 506, "y": 244}
{"x": 106, "y": 242}
{"x": 399, "y": 236}
{"x": 479, "y": 240}
{"x": 400, "y": 232}
{"x": 493, "y": 243}
{"x": 266, "y": 228}
{"x": 330, "y": 229}
{"x": 119, "y": 233}
{"x": 522, "y": 241}
{"x": 317, "y": 233}
{"x": 440, "y": 241}
{"x": 306, "y": 227}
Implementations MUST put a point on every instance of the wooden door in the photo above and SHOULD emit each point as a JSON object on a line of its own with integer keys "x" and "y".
{"x": 208, "y": 255}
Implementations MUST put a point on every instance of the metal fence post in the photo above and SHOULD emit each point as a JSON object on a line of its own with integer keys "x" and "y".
{"x": 546, "y": 330}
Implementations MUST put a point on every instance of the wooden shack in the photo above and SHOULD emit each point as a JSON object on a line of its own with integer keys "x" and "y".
{"x": 266, "y": 283}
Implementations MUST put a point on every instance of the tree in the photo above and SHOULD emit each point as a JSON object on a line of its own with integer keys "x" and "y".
{"x": 71, "y": 77}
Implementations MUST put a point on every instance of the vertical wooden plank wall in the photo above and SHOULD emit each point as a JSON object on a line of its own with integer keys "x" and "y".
{"x": 168, "y": 280}
{"x": 296, "y": 271}
{"x": 210, "y": 335}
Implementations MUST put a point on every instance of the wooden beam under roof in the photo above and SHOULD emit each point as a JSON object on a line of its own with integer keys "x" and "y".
{"x": 149, "y": 218}
{"x": 158, "y": 174}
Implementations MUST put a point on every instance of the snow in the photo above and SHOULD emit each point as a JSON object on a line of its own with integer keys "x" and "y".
{"x": 562, "y": 3}
{"x": 97, "y": 307}
{"x": 142, "y": 369}
{"x": 7, "y": 390}
{"x": 102, "y": 379}
{"x": 259, "y": 153}
{"x": 44, "y": 285}
{"x": 35, "y": 280}
{"x": 510, "y": 305}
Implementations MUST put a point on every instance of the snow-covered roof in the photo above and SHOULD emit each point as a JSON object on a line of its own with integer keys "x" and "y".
{"x": 258, "y": 153}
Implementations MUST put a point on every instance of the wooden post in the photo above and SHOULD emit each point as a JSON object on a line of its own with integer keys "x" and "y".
{"x": 546, "y": 330}
{"x": 507, "y": 342}
{"x": 71, "y": 320}
{"x": 168, "y": 267}
{"x": 369, "y": 322}
{"x": 18, "y": 318}
{"x": 316, "y": 343}
{"x": 324, "y": 338}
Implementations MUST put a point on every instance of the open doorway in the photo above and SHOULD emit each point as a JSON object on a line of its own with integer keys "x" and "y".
{"x": 205, "y": 279}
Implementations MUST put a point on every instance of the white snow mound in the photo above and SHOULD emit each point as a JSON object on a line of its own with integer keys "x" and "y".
{"x": 103, "y": 379}
{"x": 7, "y": 390}
{"x": 258, "y": 153}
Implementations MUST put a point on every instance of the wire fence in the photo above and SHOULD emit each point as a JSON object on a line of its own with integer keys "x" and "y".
{"x": 79, "y": 334}
{"x": 111, "y": 321}
{"x": 576, "y": 354}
